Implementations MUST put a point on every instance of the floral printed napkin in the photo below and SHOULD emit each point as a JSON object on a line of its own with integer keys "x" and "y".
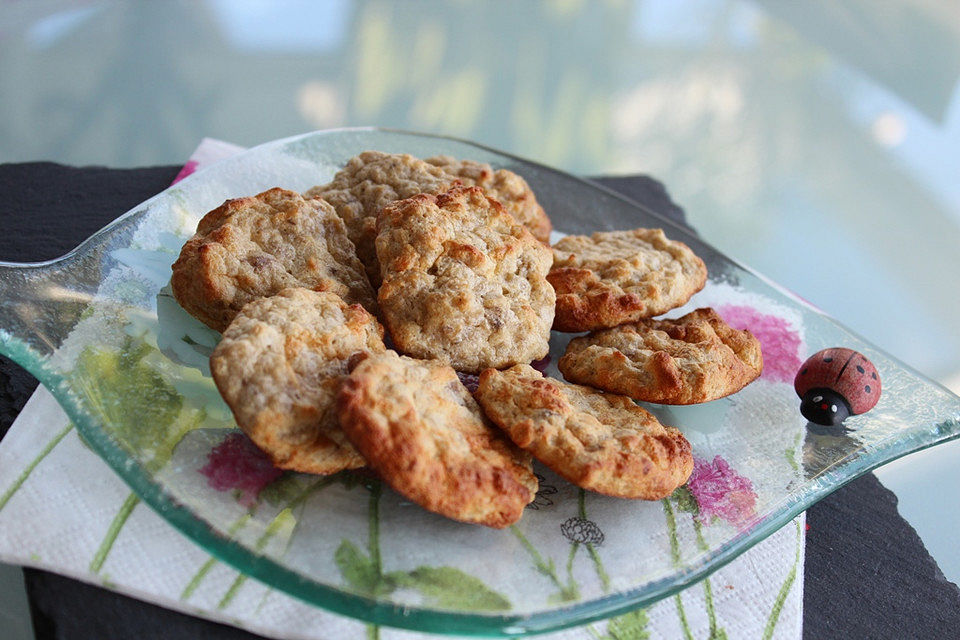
{"x": 63, "y": 510}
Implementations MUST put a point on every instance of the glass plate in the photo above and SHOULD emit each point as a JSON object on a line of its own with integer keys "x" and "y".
{"x": 99, "y": 328}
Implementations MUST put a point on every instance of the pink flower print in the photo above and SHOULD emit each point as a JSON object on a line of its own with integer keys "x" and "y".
{"x": 721, "y": 492}
{"x": 187, "y": 169}
{"x": 779, "y": 342}
{"x": 237, "y": 464}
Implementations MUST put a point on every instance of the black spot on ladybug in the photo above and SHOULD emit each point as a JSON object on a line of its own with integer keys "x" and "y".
{"x": 861, "y": 369}
{"x": 874, "y": 375}
{"x": 827, "y": 359}
{"x": 804, "y": 372}
{"x": 867, "y": 388}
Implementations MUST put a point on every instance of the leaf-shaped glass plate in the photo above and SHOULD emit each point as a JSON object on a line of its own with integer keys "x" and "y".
{"x": 99, "y": 328}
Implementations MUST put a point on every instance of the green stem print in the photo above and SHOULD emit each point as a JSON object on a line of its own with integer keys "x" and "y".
{"x": 373, "y": 543}
{"x": 567, "y": 592}
{"x": 162, "y": 455}
{"x": 571, "y": 581}
{"x": 791, "y": 453}
{"x": 373, "y": 522}
{"x": 675, "y": 557}
{"x": 140, "y": 409}
{"x": 198, "y": 577}
{"x": 283, "y": 521}
{"x": 444, "y": 587}
{"x": 716, "y": 633}
{"x": 784, "y": 589}
{"x": 113, "y": 531}
{"x": 591, "y": 547}
{"x": 277, "y": 524}
{"x": 629, "y": 626}
{"x": 47, "y": 448}
{"x": 211, "y": 561}
{"x": 580, "y": 532}
{"x": 687, "y": 502}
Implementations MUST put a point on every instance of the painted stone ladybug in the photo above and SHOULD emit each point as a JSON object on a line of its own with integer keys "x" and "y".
{"x": 836, "y": 383}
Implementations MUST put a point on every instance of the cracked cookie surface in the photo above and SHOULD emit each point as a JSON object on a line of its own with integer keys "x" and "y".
{"x": 599, "y": 441}
{"x": 422, "y": 431}
{"x": 279, "y": 367}
{"x": 250, "y": 248}
{"x": 613, "y": 277}
{"x": 463, "y": 282}
{"x": 505, "y": 186}
{"x": 371, "y": 181}
{"x": 689, "y": 360}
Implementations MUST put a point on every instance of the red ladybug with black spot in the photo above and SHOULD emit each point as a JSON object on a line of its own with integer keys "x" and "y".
{"x": 836, "y": 383}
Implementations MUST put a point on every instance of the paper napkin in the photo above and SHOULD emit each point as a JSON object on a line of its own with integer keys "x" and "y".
{"x": 63, "y": 510}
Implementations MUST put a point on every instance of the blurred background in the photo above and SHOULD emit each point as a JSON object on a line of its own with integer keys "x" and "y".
{"x": 805, "y": 139}
{"x": 818, "y": 142}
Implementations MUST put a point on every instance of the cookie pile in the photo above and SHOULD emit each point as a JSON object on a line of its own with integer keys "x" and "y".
{"x": 453, "y": 258}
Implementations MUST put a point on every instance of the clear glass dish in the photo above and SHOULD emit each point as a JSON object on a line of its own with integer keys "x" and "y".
{"x": 99, "y": 328}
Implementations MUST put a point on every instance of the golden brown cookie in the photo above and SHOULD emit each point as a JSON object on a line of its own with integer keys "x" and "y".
{"x": 279, "y": 367}
{"x": 250, "y": 248}
{"x": 613, "y": 277}
{"x": 422, "y": 431}
{"x": 693, "y": 359}
{"x": 371, "y": 181}
{"x": 599, "y": 441}
{"x": 502, "y": 185}
{"x": 463, "y": 282}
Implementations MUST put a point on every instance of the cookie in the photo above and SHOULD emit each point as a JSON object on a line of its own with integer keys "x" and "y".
{"x": 463, "y": 282}
{"x": 371, "y": 181}
{"x": 599, "y": 441}
{"x": 614, "y": 277}
{"x": 504, "y": 186}
{"x": 693, "y": 359}
{"x": 423, "y": 432}
{"x": 250, "y": 248}
{"x": 279, "y": 367}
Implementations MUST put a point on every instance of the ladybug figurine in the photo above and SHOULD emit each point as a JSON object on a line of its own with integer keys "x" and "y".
{"x": 836, "y": 383}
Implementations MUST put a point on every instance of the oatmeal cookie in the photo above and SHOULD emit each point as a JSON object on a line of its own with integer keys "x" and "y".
{"x": 613, "y": 277}
{"x": 422, "y": 431}
{"x": 279, "y": 366}
{"x": 463, "y": 282}
{"x": 371, "y": 181}
{"x": 693, "y": 359}
{"x": 599, "y": 441}
{"x": 250, "y": 248}
{"x": 504, "y": 186}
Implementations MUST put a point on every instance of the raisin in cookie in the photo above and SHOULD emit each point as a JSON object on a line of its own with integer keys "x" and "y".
{"x": 463, "y": 282}
{"x": 422, "y": 431}
{"x": 613, "y": 277}
{"x": 250, "y": 248}
{"x": 504, "y": 186}
{"x": 599, "y": 441}
{"x": 279, "y": 366}
{"x": 371, "y": 181}
{"x": 693, "y": 359}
